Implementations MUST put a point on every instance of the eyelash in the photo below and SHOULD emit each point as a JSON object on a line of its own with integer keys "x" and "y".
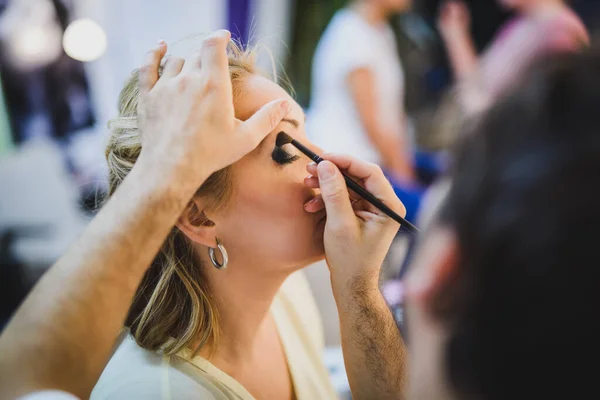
{"x": 282, "y": 157}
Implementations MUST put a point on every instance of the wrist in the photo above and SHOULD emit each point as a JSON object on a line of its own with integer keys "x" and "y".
{"x": 169, "y": 180}
{"x": 351, "y": 287}
{"x": 356, "y": 296}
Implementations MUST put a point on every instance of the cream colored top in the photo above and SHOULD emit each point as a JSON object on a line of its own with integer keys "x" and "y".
{"x": 135, "y": 373}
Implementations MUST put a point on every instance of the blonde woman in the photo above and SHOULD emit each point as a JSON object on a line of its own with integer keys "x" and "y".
{"x": 223, "y": 313}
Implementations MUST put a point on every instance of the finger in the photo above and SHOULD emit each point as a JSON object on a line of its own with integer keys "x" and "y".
{"x": 217, "y": 41}
{"x": 359, "y": 206}
{"x": 149, "y": 70}
{"x": 192, "y": 62}
{"x": 259, "y": 125}
{"x": 340, "y": 215}
{"x": 173, "y": 67}
{"x": 213, "y": 55}
{"x": 311, "y": 182}
{"x": 371, "y": 177}
{"x": 354, "y": 166}
{"x": 316, "y": 204}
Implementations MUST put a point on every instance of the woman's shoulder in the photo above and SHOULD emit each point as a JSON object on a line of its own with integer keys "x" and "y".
{"x": 136, "y": 373}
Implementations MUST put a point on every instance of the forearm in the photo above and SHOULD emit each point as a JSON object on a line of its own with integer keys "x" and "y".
{"x": 394, "y": 154}
{"x": 374, "y": 352}
{"x": 462, "y": 55}
{"x": 74, "y": 333}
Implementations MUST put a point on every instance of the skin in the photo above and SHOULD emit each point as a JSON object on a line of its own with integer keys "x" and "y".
{"x": 265, "y": 218}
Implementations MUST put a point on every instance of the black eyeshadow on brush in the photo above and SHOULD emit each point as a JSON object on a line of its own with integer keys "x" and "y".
{"x": 282, "y": 157}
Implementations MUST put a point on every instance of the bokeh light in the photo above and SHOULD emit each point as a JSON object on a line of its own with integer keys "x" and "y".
{"x": 84, "y": 40}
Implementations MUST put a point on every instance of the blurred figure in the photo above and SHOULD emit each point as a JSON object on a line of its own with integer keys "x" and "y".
{"x": 502, "y": 295}
{"x": 357, "y": 104}
{"x": 540, "y": 27}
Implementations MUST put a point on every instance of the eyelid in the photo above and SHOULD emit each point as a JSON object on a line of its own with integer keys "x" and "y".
{"x": 282, "y": 157}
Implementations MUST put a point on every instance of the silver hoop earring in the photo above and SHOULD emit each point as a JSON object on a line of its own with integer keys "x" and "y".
{"x": 213, "y": 259}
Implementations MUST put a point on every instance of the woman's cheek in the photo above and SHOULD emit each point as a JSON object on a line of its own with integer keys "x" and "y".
{"x": 282, "y": 200}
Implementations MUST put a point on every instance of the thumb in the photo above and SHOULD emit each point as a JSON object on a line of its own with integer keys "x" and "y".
{"x": 258, "y": 126}
{"x": 335, "y": 195}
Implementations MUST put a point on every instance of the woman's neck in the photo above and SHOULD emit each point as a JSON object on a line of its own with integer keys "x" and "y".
{"x": 371, "y": 12}
{"x": 243, "y": 299}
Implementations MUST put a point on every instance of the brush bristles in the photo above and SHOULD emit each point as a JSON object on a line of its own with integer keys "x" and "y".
{"x": 283, "y": 139}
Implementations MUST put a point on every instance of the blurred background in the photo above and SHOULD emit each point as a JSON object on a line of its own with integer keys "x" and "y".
{"x": 64, "y": 62}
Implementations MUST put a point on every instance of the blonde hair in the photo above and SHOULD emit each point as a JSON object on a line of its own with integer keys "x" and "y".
{"x": 172, "y": 309}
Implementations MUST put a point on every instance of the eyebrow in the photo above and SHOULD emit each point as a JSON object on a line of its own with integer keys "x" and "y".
{"x": 292, "y": 122}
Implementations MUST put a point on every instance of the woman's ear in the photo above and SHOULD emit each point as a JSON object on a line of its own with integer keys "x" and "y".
{"x": 194, "y": 224}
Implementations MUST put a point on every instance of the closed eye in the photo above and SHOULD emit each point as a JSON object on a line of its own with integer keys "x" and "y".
{"x": 282, "y": 157}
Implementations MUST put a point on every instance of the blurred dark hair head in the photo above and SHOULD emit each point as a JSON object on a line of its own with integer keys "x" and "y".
{"x": 525, "y": 207}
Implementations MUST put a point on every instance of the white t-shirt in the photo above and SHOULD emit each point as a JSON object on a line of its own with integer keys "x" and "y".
{"x": 351, "y": 43}
{"x": 134, "y": 373}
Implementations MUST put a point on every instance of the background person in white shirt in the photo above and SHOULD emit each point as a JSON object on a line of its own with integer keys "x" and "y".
{"x": 358, "y": 87}
{"x": 357, "y": 99}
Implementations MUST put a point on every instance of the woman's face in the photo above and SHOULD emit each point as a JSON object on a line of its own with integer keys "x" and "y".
{"x": 265, "y": 222}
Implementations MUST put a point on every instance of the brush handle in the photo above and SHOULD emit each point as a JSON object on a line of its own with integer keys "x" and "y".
{"x": 365, "y": 194}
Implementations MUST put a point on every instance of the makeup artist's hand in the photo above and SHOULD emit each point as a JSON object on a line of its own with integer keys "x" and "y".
{"x": 357, "y": 235}
{"x": 357, "y": 238}
{"x": 186, "y": 115}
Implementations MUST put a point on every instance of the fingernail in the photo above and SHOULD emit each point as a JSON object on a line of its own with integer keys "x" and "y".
{"x": 326, "y": 170}
{"x": 312, "y": 164}
{"x": 161, "y": 43}
{"x": 224, "y": 32}
{"x": 286, "y": 106}
{"x": 314, "y": 200}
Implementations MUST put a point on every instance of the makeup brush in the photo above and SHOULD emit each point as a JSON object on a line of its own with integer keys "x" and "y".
{"x": 283, "y": 139}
